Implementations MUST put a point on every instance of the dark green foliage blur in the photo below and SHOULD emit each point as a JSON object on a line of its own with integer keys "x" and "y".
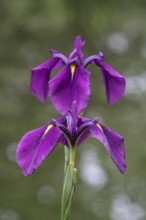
{"x": 28, "y": 29}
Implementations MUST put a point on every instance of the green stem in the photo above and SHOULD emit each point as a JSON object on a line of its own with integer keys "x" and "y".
{"x": 66, "y": 153}
{"x": 72, "y": 155}
{"x": 69, "y": 182}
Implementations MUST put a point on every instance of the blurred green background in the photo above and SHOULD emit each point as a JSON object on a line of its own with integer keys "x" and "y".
{"x": 28, "y": 29}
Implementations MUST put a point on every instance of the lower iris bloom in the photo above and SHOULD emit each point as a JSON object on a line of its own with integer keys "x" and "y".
{"x": 70, "y": 130}
{"x": 73, "y": 80}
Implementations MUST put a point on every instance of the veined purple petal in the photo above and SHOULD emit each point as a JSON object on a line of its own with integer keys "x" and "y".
{"x": 60, "y": 90}
{"x": 113, "y": 143}
{"x": 35, "y": 146}
{"x": 69, "y": 86}
{"x": 114, "y": 83}
{"x": 81, "y": 88}
{"x": 41, "y": 75}
{"x": 83, "y": 136}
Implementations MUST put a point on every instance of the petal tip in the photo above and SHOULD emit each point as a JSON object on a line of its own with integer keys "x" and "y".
{"x": 113, "y": 99}
{"x": 123, "y": 168}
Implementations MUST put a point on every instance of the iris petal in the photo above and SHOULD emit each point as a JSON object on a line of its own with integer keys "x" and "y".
{"x": 78, "y": 44}
{"x": 60, "y": 90}
{"x": 81, "y": 88}
{"x": 40, "y": 76}
{"x": 64, "y": 89}
{"x": 35, "y": 146}
{"x": 113, "y": 143}
{"x": 114, "y": 83}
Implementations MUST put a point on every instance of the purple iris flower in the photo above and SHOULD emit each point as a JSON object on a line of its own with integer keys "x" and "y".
{"x": 70, "y": 130}
{"x": 73, "y": 80}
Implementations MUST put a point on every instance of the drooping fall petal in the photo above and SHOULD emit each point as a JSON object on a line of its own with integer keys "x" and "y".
{"x": 81, "y": 88}
{"x": 35, "y": 146}
{"x": 113, "y": 143}
{"x": 40, "y": 76}
{"x": 114, "y": 83}
{"x": 72, "y": 83}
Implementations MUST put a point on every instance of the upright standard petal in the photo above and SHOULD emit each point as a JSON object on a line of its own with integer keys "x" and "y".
{"x": 113, "y": 143}
{"x": 71, "y": 84}
{"x": 78, "y": 44}
{"x": 35, "y": 146}
{"x": 41, "y": 75}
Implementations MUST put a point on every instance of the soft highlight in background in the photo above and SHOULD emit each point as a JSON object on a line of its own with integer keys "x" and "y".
{"x": 28, "y": 30}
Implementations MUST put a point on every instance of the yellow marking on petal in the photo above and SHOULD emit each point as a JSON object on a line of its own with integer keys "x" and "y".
{"x": 48, "y": 128}
{"x": 98, "y": 125}
{"x": 72, "y": 69}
